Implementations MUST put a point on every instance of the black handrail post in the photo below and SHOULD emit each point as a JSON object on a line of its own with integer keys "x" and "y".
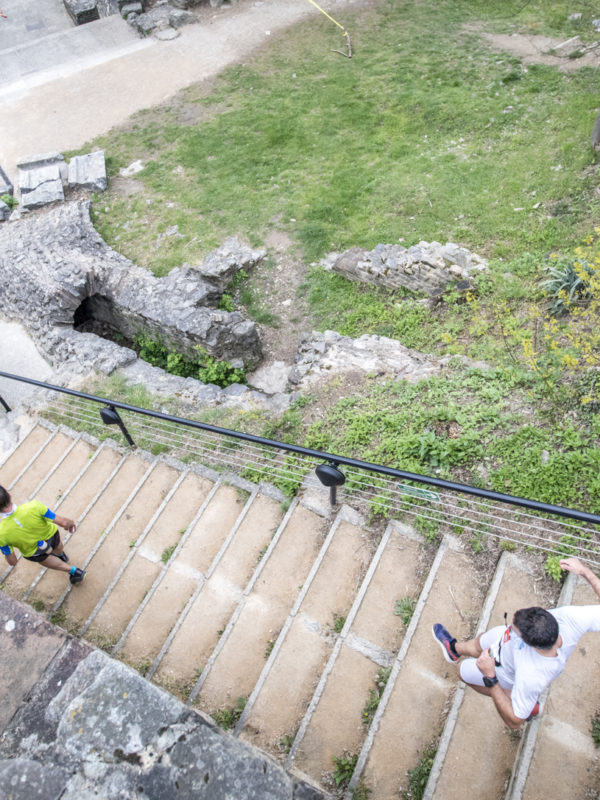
{"x": 331, "y": 476}
{"x": 3, "y": 402}
{"x": 110, "y": 416}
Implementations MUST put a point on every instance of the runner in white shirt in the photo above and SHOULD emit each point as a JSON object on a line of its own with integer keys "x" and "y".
{"x": 514, "y": 664}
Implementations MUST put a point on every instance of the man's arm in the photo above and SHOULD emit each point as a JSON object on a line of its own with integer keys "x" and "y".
{"x": 487, "y": 667}
{"x": 576, "y": 566}
{"x": 66, "y": 523}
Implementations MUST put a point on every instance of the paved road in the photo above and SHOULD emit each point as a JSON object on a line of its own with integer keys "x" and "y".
{"x": 62, "y": 86}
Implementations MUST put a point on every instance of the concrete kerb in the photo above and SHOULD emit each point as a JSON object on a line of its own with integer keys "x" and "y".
{"x": 528, "y": 740}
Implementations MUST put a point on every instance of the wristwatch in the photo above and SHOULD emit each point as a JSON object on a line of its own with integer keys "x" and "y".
{"x": 489, "y": 682}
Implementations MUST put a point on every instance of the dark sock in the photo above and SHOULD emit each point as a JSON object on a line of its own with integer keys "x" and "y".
{"x": 452, "y": 646}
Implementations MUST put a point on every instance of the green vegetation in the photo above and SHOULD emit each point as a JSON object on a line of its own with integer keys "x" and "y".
{"x": 203, "y": 367}
{"x": 405, "y": 608}
{"x": 344, "y": 767}
{"x": 370, "y": 707}
{"x": 419, "y": 775}
{"x": 9, "y": 200}
{"x": 338, "y": 623}
{"x": 166, "y": 554}
{"x": 595, "y": 729}
{"x": 227, "y": 718}
{"x": 410, "y": 140}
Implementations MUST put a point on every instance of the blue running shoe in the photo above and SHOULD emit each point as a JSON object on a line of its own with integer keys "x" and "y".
{"x": 446, "y": 642}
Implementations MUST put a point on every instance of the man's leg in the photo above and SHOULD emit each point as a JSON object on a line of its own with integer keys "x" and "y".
{"x": 53, "y": 562}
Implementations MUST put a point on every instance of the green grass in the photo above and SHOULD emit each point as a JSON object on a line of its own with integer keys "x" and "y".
{"x": 425, "y": 134}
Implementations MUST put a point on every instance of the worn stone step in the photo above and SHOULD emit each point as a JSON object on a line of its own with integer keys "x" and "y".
{"x": 335, "y": 722}
{"x": 181, "y": 575}
{"x": 304, "y": 645}
{"x": 217, "y": 596}
{"x": 23, "y": 454}
{"x": 25, "y": 485}
{"x": 410, "y": 712}
{"x": 114, "y": 546}
{"x": 54, "y": 486}
{"x": 563, "y": 731}
{"x": 473, "y": 725}
{"x": 110, "y": 618}
{"x": 239, "y": 656}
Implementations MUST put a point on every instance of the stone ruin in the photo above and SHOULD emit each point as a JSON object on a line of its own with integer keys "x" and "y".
{"x": 161, "y": 18}
{"x": 428, "y": 267}
{"x": 59, "y": 274}
{"x": 44, "y": 178}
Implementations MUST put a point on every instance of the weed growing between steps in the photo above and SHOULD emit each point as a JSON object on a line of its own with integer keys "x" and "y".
{"x": 419, "y": 775}
{"x": 405, "y": 608}
{"x": 227, "y": 718}
{"x": 343, "y": 768}
{"x": 595, "y": 729}
{"x": 375, "y": 694}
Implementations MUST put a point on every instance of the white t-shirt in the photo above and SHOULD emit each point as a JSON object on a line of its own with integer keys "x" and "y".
{"x": 527, "y": 672}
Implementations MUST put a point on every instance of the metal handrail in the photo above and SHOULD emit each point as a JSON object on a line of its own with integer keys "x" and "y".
{"x": 330, "y": 458}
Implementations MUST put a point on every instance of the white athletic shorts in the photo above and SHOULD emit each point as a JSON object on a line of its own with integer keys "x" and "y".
{"x": 469, "y": 671}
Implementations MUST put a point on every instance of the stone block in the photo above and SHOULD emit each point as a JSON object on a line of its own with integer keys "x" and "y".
{"x": 82, "y": 11}
{"x": 88, "y": 171}
{"x": 30, "y": 179}
{"x": 131, "y": 8}
{"x": 177, "y": 18}
{"x": 4, "y": 211}
{"x": 30, "y": 162}
{"x": 48, "y": 192}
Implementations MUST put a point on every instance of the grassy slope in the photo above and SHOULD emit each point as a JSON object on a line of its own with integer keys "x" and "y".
{"x": 425, "y": 134}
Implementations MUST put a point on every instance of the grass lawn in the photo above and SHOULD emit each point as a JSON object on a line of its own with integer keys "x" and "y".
{"x": 427, "y": 133}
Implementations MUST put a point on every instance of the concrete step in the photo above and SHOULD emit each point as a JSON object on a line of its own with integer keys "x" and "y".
{"x": 26, "y": 483}
{"x": 180, "y": 575}
{"x": 113, "y": 547}
{"x": 473, "y": 725}
{"x": 23, "y": 455}
{"x": 421, "y": 683}
{"x": 335, "y": 721}
{"x": 303, "y": 647}
{"x": 220, "y": 588}
{"x": 137, "y": 572}
{"x": 239, "y": 656}
{"x": 558, "y": 756}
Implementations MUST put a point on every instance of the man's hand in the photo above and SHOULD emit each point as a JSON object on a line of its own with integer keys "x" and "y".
{"x": 577, "y": 567}
{"x": 574, "y": 565}
{"x": 486, "y": 664}
{"x": 11, "y": 559}
{"x": 66, "y": 523}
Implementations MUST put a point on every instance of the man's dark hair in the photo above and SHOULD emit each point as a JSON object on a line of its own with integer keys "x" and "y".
{"x": 538, "y": 628}
{"x": 4, "y": 497}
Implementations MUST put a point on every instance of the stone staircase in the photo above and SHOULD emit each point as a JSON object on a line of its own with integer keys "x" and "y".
{"x": 277, "y": 619}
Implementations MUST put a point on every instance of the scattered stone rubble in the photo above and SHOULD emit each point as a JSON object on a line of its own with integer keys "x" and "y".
{"x": 58, "y": 272}
{"x": 426, "y": 267}
{"x": 82, "y": 11}
{"x": 43, "y": 178}
{"x": 322, "y": 356}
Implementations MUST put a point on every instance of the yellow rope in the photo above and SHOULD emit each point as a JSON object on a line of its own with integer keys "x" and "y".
{"x": 328, "y": 17}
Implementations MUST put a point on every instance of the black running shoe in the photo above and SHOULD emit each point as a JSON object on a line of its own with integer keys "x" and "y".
{"x": 445, "y": 641}
{"x": 77, "y": 576}
{"x": 63, "y": 557}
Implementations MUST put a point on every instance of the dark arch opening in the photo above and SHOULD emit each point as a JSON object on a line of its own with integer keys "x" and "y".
{"x": 98, "y": 314}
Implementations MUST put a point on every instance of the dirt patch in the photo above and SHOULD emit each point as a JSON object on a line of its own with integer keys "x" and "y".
{"x": 536, "y": 49}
